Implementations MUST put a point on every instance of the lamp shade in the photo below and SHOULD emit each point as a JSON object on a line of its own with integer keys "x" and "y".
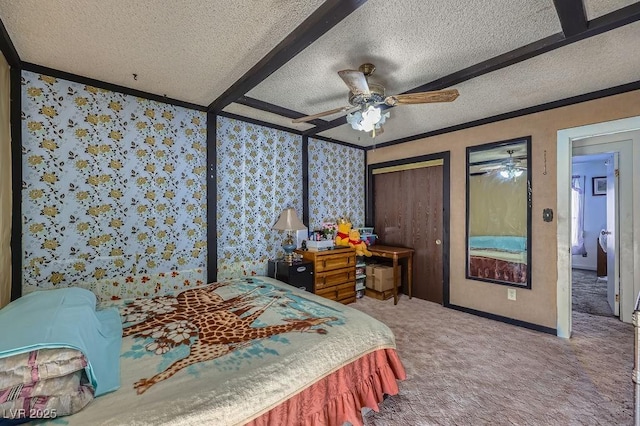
{"x": 288, "y": 221}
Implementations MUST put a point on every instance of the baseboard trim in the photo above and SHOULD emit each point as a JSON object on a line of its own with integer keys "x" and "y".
{"x": 507, "y": 320}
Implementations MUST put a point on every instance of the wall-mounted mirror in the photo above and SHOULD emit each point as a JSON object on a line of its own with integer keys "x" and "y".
{"x": 499, "y": 212}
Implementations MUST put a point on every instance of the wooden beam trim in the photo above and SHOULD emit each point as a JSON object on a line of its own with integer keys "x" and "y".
{"x": 305, "y": 180}
{"x": 573, "y": 18}
{"x": 212, "y": 199}
{"x": 275, "y": 109}
{"x": 617, "y": 18}
{"x": 329, "y": 14}
{"x": 15, "y": 111}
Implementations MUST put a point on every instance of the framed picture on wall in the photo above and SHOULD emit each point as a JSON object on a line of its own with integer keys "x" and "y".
{"x": 599, "y": 185}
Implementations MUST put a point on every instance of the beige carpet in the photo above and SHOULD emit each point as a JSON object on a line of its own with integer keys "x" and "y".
{"x": 589, "y": 294}
{"x": 467, "y": 370}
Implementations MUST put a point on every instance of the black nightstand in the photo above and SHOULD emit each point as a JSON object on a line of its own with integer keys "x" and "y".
{"x": 298, "y": 274}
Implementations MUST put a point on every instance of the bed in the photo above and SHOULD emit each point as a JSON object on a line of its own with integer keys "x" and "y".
{"x": 500, "y": 258}
{"x": 246, "y": 351}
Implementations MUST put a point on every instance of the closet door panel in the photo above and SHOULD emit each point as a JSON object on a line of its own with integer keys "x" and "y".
{"x": 408, "y": 213}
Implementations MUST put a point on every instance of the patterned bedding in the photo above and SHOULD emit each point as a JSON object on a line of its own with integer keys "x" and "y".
{"x": 229, "y": 352}
{"x": 500, "y": 258}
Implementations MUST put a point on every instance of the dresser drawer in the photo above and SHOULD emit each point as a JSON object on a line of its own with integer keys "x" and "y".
{"x": 328, "y": 293}
{"x": 332, "y": 278}
{"x": 345, "y": 293}
{"x": 346, "y": 290}
{"x": 335, "y": 261}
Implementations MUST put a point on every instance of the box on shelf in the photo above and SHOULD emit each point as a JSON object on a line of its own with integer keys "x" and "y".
{"x": 322, "y": 244}
{"x": 380, "y": 277}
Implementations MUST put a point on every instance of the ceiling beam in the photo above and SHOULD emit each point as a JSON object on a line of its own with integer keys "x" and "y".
{"x": 8, "y": 49}
{"x": 608, "y": 22}
{"x": 572, "y": 16}
{"x": 336, "y": 122}
{"x": 275, "y": 109}
{"x": 329, "y": 14}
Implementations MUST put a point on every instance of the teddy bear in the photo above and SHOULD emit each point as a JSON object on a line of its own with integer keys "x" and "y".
{"x": 350, "y": 237}
{"x": 358, "y": 244}
{"x": 342, "y": 237}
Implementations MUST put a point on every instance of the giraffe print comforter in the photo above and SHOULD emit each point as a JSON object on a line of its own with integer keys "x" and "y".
{"x": 226, "y": 352}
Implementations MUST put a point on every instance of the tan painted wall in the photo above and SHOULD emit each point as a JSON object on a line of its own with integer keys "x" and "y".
{"x": 5, "y": 184}
{"x": 537, "y": 305}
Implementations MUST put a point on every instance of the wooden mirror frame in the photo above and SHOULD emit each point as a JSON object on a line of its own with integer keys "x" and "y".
{"x": 496, "y": 272}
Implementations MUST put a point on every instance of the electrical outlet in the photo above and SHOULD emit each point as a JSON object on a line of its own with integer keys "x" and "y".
{"x": 511, "y": 294}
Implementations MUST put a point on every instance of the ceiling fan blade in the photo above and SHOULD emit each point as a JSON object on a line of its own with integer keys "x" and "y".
{"x": 322, "y": 114}
{"x": 356, "y": 81}
{"x": 492, "y": 167}
{"x": 423, "y": 97}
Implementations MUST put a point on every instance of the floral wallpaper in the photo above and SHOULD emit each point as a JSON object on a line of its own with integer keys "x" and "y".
{"x": 114, "y": 191}
{"x": 336, "y": 183}
{"x": 259, "y": 173}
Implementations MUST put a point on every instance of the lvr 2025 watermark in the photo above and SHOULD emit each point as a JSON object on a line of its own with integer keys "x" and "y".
{"x": 34, "y": 413}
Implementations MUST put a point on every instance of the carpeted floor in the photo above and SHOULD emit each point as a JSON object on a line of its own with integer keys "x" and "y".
{"x": 467, "y": 370}
{"x": 589, "y": 294}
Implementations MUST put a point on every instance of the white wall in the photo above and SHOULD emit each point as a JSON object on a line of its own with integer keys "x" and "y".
{"x": 595, "y": 211}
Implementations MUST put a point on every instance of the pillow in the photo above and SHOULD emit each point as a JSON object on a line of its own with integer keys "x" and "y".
{"x": 44, "y": 383}
{"x": 50, "y": 398}
{"x": 39, "y": 365}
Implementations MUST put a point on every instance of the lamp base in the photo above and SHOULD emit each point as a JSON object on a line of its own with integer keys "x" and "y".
{"x": 288, "y": 252}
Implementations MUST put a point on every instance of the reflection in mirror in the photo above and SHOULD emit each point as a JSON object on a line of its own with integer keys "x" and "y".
{"x": 499, "y": 212}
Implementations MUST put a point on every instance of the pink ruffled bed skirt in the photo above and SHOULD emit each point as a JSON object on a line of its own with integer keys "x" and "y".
{"x": 341, "y": 395}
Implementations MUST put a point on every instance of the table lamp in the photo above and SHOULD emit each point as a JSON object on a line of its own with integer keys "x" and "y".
{"x": 289, "y": 222}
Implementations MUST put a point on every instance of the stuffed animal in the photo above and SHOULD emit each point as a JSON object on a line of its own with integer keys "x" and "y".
{"x": 342, "y": 237}
{"x": 358, "y": 244}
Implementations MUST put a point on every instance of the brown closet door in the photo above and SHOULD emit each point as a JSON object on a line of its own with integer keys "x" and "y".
{"x": 408, "y": 213}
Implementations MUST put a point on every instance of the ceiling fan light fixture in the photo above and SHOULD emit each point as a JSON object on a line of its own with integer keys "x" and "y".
{"x": 510, "y": 173}
{"x": 367, "y": 119}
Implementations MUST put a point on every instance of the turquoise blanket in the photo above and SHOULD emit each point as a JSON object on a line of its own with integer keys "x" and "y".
{"x": 66, "y": 317}
{"x": 503, "y": 243}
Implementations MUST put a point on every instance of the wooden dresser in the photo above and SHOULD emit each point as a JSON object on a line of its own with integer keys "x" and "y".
{"x": 334, "y": 273}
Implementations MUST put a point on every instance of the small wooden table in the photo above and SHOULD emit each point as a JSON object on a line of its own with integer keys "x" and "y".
{"x": 395, "y": 253}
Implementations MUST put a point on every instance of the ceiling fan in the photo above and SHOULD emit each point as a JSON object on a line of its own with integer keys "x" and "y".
{"x": 511, "y": 167}
{"x": 364, "y": 98}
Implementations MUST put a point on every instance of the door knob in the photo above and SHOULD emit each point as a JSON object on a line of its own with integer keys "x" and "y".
{"x": 438, "y": 242}
{"x": 603, "y": 232}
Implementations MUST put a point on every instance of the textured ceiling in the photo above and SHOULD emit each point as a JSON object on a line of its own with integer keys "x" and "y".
{"x": 409, "y": 47}
{"x": 196, "y": 50}
{"x": 596, "y": 8}
{"x": 593, "y": 64}
{"x": 191, "y": 50}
